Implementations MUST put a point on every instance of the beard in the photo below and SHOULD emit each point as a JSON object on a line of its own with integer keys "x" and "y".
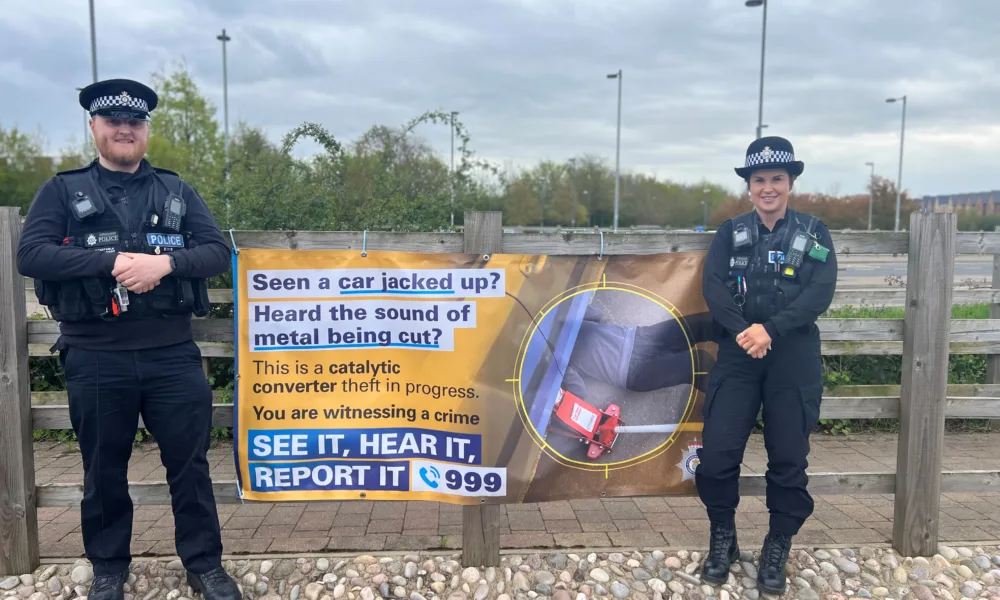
{"x": 125, "y": 155}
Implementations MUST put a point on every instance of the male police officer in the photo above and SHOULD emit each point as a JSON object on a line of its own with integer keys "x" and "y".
{"x": 120, "y": 252}
{"x": 768, "y": 276}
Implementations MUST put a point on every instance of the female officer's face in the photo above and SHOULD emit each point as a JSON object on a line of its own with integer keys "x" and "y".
{"x": 769, "y": 190}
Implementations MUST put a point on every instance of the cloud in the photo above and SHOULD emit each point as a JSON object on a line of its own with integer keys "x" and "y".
{"x": 529, "y": 77}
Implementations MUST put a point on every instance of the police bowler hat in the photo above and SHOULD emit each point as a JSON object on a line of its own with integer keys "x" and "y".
{"x": 121, "y": 98}
{"x": 770, "y": 153}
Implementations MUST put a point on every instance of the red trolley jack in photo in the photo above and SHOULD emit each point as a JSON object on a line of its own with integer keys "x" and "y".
{"x": 599, "y": 429}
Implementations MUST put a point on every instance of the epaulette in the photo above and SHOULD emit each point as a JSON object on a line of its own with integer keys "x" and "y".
{"x": 163, "y": 171}
{"x": 82, "y": 169}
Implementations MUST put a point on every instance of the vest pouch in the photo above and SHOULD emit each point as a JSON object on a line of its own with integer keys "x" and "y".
{"x": 71, "y": 302}
{"x": 168, "y": 298}
{"x": 47, "y": 292}
{"x": 202, "y": 305}
{"x": 788, "y": 291}
{"x": 97, "y": 296}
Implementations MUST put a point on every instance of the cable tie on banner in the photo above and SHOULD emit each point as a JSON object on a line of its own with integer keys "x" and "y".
{"x": 364, "y": 244}
{"x": 601, "y": 255}
{"x": 233, "y": 240}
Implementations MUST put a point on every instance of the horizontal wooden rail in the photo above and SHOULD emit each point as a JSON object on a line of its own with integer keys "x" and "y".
{"x": 842, "y": 297}
{"x": 575, "y": 243}
{"x": 49, "y": 409}
{"x": 860, "y": 348}
{"x": 157, "y": 492}
{"x": 840, "y": 336}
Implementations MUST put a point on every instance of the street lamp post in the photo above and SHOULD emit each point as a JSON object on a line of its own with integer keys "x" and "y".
{"x": 453, "y": 113}
{"x": 225, "y": 93}
{"x": 871, "y": 193}
{"x": 618, "y": 144}
{"x": 763, "y": 41}
{"x": 899, "y": 177}
{"x": 93, "y": 44}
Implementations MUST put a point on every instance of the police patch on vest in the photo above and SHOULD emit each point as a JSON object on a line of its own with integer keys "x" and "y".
{"x": 739, "y": 262}
{"x": 165, "y": 240}
{"x": 102, "y": 238}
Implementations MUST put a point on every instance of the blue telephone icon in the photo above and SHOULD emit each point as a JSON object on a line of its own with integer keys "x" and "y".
{"x": 430, "y": 481}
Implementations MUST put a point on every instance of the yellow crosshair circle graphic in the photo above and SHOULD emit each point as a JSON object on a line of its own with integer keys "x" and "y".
{"x": 522, "y": 410}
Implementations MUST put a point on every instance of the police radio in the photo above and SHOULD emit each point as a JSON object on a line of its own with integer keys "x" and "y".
{"x": 796, "y": 253}
{"x": 173, "y": 212}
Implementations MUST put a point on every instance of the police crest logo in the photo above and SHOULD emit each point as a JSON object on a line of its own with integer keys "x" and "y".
{"x": 689, "y": 462}
{"x": 91, "y": 240}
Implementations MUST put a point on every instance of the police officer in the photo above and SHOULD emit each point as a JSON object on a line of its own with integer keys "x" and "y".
{"x": 120, "y": 252}
{"x": 769, "y": 274}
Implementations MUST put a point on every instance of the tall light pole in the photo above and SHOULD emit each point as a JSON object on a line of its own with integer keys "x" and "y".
{"x": 618, "y": 144}
{"x": 93, "y": 44}
{"x": 453, "y": 113}
{"x": 899, "y": 178}
{"x": 86, "y": 130}
{"x": 763, "y": 42}
{"x": 225, "y": 93}
{"x": 871, "y": 194}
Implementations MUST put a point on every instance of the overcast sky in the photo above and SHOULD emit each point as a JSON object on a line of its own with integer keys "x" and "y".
{"x": 529, "y": 76}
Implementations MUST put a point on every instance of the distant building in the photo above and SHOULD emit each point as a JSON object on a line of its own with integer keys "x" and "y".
{"x": 985, "y": 203}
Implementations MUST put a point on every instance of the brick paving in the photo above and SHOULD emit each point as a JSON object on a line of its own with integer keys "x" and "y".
{"x": 627, "y": 522}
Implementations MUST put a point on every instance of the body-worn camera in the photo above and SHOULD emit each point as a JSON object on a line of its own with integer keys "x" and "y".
{"x": 83, "y": 206}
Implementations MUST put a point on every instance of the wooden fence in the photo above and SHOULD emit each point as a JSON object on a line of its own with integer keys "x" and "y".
{"x": 924, "y": 338}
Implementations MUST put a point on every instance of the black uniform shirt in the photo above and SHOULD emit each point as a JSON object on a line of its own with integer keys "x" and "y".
{"x": 41, "y": 255}
{"x": 813, "y": 301}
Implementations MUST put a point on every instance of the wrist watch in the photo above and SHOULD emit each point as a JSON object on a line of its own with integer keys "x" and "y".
{"x": 173, "y": 263}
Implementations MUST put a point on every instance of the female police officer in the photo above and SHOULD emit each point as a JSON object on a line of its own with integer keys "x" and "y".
{"x": 769, "y": 274}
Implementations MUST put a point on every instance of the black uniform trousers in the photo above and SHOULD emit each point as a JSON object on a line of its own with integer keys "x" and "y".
{"x": 788, "y": 383}
{"x": 108, "y": 390}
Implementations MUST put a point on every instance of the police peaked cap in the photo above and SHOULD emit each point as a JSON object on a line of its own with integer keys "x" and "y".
{"x": 121, "y": 98}
{"x": 770, "y": 153}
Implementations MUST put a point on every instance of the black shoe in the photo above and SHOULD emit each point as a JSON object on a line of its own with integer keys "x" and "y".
{"x": 723, "y": 552}
{"x": 773, "y": 556}
{"x": 108, "y": 587}
{"x": 214, "y": 585}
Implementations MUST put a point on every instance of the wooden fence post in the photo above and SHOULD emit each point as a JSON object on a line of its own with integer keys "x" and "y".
{"x": 18, "y": 512}
{"x": 993, "y": 360}
{"x": 926, "y": 332}
{"x": 483, "y": 234}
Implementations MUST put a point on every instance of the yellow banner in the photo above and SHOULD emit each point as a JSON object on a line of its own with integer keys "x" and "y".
{"x": 466, "y": 379}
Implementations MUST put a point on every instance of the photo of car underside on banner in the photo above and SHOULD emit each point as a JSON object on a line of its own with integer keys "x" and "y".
{"x": 610, "y": 376}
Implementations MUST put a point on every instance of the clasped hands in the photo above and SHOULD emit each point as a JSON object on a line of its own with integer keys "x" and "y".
{"x": 754, "y": 340}
{"x": 140, "y": 272}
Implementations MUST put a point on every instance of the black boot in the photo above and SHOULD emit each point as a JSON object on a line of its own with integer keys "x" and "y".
{"x": 723, "y": 552}
{"x": 773, "y": 556}
{"x": 214, "y": 585}
{"x": 108, "y": 587}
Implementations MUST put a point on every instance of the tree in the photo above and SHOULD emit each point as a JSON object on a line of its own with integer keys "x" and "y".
{"x": 184, "y": 135}
{"x": 23, "y": 167}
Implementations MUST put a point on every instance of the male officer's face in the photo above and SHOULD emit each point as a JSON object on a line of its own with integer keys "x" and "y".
{"x": 769, "y": 190}
{"x": 119, "y": 140}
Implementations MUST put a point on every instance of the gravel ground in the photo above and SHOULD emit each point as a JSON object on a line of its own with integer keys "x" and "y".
{"x": 812, "y": 574}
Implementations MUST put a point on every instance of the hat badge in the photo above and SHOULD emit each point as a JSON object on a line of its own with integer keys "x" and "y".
{"x": 766, "y": 153}
{"x": 124, "y": 97}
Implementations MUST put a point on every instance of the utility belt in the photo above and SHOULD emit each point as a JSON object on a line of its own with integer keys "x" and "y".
{"x": 103, "y": 298}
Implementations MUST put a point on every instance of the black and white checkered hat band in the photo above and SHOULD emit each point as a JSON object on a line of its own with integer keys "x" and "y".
{"x": 120, "y": 101}
{"x": 769, "y": 156}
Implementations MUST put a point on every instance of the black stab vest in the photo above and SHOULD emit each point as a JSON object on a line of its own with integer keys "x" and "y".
{"x": 755, "y": 277}
{"x": 110, "y": 230}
